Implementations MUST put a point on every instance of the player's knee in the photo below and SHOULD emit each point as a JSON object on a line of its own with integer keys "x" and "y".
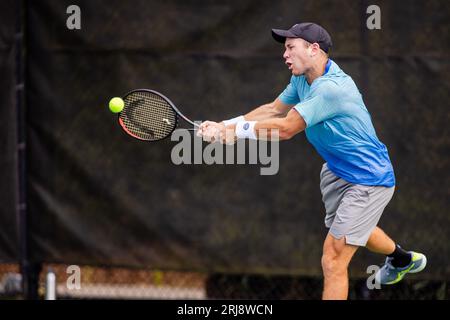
{"x": 332, "y": 264}
{"x": 328, "y": 264}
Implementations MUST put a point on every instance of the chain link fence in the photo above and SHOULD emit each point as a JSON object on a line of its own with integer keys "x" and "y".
{"x": 125, "y": 283}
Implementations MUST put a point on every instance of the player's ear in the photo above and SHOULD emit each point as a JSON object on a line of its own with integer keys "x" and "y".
{"x": 314, "y": 49}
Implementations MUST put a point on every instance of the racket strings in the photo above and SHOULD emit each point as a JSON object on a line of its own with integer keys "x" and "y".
{"x": 148, "y": 116}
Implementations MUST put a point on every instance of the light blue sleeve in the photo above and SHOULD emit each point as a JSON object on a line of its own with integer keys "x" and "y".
{"x": 290, "y": 94}
{"x": 321, "y": 104}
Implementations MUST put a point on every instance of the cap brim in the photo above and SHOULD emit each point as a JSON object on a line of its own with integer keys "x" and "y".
{"x": 280, "y": 35}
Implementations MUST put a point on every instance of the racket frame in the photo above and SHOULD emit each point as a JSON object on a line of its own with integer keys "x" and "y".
{"x": 171, "y": 104}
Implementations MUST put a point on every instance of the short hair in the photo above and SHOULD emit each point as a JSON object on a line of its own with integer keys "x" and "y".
{"x": 308, "y": 44}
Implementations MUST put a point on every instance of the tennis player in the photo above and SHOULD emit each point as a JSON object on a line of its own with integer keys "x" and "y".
{"x": 357, "y": 179}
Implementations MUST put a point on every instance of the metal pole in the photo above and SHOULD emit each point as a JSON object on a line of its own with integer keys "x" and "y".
{"x": 30, "y": 271}
{"x": 50, "y": 285}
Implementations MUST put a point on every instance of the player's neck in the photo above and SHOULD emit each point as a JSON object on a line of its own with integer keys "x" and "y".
{"x": 317, "y": 70}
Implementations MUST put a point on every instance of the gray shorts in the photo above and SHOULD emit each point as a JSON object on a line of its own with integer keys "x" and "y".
{"x": 352, "y": 210}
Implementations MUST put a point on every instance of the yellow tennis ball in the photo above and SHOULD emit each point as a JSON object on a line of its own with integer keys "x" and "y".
{"x": 116, "y": 104}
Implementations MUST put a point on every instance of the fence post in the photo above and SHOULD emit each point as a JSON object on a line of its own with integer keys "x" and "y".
{"x": 30, "y": 271}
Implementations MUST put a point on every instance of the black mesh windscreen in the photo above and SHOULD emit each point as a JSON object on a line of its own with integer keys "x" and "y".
{"x": 92, "y": 202}
{"x": 8, "y": 134}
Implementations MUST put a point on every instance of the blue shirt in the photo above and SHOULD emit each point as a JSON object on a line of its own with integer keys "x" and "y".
{"x": 340, "y": 128}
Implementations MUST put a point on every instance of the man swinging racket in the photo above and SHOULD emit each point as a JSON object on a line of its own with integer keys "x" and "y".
{"x": 357, "y": 179}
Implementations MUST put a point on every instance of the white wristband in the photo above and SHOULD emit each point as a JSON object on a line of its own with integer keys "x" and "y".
{"x": 246, "y": 130}
{"x": 233, "y": 121}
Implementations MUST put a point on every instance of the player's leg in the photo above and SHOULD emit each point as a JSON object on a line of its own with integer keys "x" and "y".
{"x": 342, "y": 208}
{"x": 379, "y": 242}
{"x": 336, "y": 257}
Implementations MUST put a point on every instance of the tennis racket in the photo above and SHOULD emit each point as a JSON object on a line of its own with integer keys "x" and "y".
{"x": 150, "y": 116}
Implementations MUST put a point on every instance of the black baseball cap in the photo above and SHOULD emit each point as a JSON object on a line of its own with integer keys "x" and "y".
{"x": 308, "y": 31}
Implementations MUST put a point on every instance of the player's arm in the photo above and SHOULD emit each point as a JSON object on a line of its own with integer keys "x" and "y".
{"x": 322, "y": 104}
{"x": 275, "y": 109}
{"x": 284, "y": 128}
{"x": 269, "y": 129}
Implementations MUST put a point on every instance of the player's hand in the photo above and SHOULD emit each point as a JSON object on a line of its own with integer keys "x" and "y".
{"x": 210, "y": 131}
{"x": 228, "y": 135}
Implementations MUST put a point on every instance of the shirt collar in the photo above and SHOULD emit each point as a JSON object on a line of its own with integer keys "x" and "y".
{"x": 327, "y": 67}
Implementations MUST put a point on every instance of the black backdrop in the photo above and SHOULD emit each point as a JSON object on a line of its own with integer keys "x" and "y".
{"x": 97, "y": 197}
{"x": 8, "y": 186}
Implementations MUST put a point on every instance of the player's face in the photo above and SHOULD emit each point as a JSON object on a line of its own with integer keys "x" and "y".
{"x": 297, "y": 56}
